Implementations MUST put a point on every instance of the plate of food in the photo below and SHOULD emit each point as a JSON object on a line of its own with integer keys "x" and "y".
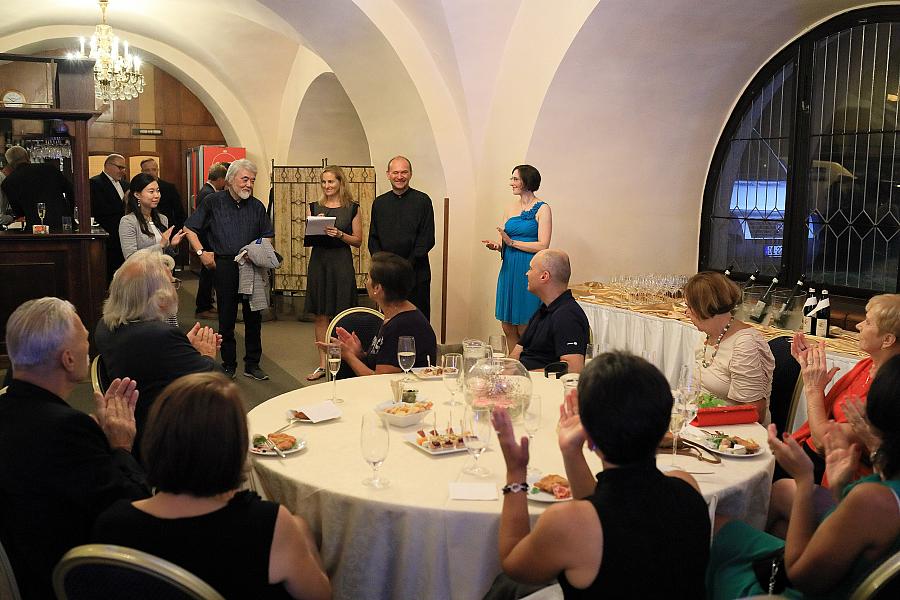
{"x": 732, "y": 446}
{"x": 288, "y": 444}
{"x": 435, "y": 443}
{"x": 428, "y": 372}
{"x": 403, "y": 414}
{"x": 550, "y": 488}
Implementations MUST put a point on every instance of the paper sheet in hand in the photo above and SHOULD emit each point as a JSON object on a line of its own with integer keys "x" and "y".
{"x": 317, "y": 225}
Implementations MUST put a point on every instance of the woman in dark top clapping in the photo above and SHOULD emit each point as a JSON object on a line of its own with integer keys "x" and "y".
{"x": 634, "y": 532}
{"x": 389, "y": 283}
{"x": 331, "y": 278}
{"x": 196, "y": 453}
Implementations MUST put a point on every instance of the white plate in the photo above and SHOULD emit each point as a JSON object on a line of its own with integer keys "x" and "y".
{"x": 701, "y": 441}
{"x": 412, "y": 437}
{"x": 542, "y": 496}
{"x": 420, "y": 373}
{"x": 299, "y": 445}
{"x": 400, "y": 420}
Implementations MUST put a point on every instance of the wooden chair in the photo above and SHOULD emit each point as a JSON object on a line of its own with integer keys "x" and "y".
{"x": 8, "y": 586}
{"x": 106, "y": 572}
{"x": 365, "y": 322}
{"x": 882, "y": 583}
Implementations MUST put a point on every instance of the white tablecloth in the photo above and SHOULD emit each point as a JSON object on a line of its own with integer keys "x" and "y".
{"x": 668, "y": 343}
{"x": 411, "y": 540}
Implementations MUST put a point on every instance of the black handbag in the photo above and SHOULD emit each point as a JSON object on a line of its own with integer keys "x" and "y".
{"x": 770, "y": 572}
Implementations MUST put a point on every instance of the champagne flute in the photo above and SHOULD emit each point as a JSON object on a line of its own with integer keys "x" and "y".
{"x": 406, "y": 354}
{"x": 676, "y": 424}
{"x": 532, "y": 418}
{"x": 451, "y": 364}
{"x": 477, "y": 431}
{"x": 374, "y": 441}
{"x": 497, "y": 343}
{"x": 41, "y": 211}
{"x": 334, "y": 365}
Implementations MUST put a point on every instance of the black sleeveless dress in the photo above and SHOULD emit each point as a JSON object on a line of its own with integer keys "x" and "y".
{"x": 228, "y": 548}
{"x": 331, "y": 278}
{"x": 656, "y": 534}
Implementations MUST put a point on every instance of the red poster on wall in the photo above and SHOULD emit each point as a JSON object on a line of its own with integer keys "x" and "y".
{"x": 200, "y": 159}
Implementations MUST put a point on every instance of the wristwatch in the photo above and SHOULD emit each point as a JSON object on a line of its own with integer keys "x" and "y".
{"x": 200, "y": 252}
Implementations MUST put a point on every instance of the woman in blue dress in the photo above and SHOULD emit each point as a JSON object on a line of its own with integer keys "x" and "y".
{"x": 527, "y": 231}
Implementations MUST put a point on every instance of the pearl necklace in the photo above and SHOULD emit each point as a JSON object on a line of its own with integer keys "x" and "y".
{"x": 706, "y": 363}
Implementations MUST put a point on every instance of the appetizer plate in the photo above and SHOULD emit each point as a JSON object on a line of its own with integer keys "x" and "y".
{"x": 400, "y": 420}
{"x": 542, "y": 496}
{"x": 711, "y": 447}
{"x": 426, "y": 373}
{"x": 299, "y": 445}
{"x": 413, "y": 437}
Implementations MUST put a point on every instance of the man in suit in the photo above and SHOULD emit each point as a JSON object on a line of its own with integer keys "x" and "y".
{"x": 28, "y": 184}
{"x": 61, "y": 468}
{"x": 169, "y": 199}
{"x": 215, "y": 182}
{"x": 108, "y": 191}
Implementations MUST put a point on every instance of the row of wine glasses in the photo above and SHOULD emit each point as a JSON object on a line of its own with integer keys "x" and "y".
{"x": 650, "y": 288}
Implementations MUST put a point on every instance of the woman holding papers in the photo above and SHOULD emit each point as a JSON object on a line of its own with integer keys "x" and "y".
{"x": 331, "y": 278}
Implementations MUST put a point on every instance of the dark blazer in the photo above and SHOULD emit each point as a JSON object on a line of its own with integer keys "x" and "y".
{"x": 106, "y": 206}
{"x": 170, "y": 204}
{"x": 57, "y": 474}
{"x": 205, "y": 191}
{"x": 40, "y": 182}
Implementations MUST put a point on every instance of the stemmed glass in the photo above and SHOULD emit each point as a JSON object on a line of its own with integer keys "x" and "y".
{"x": 676, "y": 425}
{"x": 41, "y": 211}
{"x": 497, "y": 343}
{"x": 477, "y": 431}
{"x": 451, "y": 364}
{"x": 334, "y": 365}
{"x": 532, "y": 418}
{"x": 374, "y": 442}
{"x": 406, "y": 354}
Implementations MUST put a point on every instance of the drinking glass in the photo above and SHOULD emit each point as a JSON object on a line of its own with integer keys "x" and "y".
{"x": 374, "y": 441}
{"x": 532, "y": 418}
{"x": 334, "y": 365}
{"x": 676, "y": 425}
{"x": 42, "y": 211}
{"x": 477, "y": 432}
{"x": 67, "y": 224}
{"x": 497, "y": 343}
{"x": 451, "y": 364}
{"x": 406, "y": 354}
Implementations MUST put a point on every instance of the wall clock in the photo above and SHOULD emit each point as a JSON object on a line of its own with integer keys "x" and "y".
{"x": 13, "y": 98}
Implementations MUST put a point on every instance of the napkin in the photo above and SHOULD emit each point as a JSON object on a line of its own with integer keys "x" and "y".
{"x": 464, "y": 490}
{"x": 323, "y": 411}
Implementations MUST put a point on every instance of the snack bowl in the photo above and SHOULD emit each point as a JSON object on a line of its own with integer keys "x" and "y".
{"x": 403, "y": 420}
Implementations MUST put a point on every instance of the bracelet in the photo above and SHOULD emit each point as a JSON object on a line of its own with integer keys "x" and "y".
{"x": 514, "y": 488}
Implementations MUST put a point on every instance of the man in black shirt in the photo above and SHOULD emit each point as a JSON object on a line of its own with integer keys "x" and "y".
{"x": 29, "y": 183}
{"x": 215, "y": 182}
{"x": 403, "y": 223}
{"x": 229, "y": 220}
{"x": 559, "y": 330}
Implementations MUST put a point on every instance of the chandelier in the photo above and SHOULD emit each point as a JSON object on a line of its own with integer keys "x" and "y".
{"x": 117, "y": 76}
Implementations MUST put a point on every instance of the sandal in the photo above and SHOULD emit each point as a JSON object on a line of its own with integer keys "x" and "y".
{"x": 316, "y": 375}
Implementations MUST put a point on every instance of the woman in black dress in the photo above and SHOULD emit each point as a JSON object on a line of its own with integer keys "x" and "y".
{"x": 331, "y": 278}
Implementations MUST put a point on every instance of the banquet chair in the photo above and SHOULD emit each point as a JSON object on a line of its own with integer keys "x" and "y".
{"x": 365, "y": 322}
{"x": 106, "y": 572}
{"x": 784, "y": 381}
{"x": 882, "y": 583}
{"x": 99, "y": 378}
{"x": 9, "y": 589}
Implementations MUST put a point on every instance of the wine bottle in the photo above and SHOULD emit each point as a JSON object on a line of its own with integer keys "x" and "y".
{"x": 751, "y": 280}
{"x": 809, "y": 321}
{"x": 758, "y": 314}
{"x": 784, "y": 314}
{"x": 823, "y": 315}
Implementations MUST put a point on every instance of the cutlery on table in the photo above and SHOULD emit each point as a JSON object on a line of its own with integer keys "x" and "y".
{"x": 277, "y": 450}
{"x": 291, "y": 423}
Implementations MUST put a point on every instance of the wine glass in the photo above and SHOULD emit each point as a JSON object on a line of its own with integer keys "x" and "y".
{"x": 406, "y": 354}
{"x": 676, "y": 424}
{"x": 477, "y": 432}
{"x": 497, "y": 343}
{"x": 451, "y": 364}
{"x": 532, "y": 418}
{"x": 374, "y": 441}
{"x": 41, "y": 211}
{"x": 334, "y": 365}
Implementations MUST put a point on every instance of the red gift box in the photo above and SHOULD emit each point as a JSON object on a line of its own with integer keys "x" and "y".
{"x": 725, "y": 415}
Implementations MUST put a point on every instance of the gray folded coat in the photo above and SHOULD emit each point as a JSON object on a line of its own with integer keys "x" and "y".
{"x": 253, "y": 272}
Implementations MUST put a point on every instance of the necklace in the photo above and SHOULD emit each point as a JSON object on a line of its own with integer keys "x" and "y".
{"x": 705, "y": 362}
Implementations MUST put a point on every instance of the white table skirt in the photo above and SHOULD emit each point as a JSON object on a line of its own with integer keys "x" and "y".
{"x": 411, "y": 540}
{"x": 669, "y": 343}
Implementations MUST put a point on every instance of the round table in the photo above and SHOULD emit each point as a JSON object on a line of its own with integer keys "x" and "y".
{"x": 410, "y": 540}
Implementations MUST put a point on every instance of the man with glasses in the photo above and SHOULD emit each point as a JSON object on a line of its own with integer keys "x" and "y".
{"x": 108, "y": 190}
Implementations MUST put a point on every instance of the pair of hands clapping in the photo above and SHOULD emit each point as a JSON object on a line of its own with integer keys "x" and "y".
{"x": 169, "y": 240}
{"x": 491, "y": 245}
{"x": 114, "y": 412}
{"x": 841, "y": 457}
{"x": 349, "y": 343}
{"x": 206, "y": 341}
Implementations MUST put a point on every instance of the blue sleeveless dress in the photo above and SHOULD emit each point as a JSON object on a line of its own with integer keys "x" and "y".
{"x": 515, "y": 304}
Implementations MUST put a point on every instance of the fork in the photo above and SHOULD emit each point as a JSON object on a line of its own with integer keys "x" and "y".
{"x": 277, "y": 450}
{"x": 291, "y": 423}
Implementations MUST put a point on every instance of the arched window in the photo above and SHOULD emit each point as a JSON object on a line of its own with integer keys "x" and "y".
{"x": 806, "y": 176}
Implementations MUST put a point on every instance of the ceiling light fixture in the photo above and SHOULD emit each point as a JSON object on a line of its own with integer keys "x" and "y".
{"x": 117, "y": 76}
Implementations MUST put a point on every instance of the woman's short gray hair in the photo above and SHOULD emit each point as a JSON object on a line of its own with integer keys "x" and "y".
{"x": 37, "y": 330}
{"x": 141, "y": 289}
{"x": 241, "y": 163}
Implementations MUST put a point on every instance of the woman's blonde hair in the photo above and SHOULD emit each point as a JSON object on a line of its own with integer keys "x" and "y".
{"x": 141, "y": 289}
{"x": 885, "y": 311}
{"x": 708, "y": 294}
{"x": 343, "y": 191}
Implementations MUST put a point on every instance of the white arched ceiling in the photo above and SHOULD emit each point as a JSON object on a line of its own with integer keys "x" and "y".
{"x": 306, "y": 68}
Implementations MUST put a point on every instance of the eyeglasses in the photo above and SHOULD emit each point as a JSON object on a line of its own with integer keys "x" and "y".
{"x": 176, "y": 282}
{"x": 121, "y": 167}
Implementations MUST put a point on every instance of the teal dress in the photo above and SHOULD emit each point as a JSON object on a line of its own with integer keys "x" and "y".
{"x": 737, "y": 545}
{"x": 515, "y": 304}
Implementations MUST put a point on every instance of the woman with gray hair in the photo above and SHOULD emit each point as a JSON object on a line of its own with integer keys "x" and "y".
{"x": 134, "y": 339}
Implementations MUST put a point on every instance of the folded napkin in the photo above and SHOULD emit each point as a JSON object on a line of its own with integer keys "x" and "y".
{"x": 465, "y": 490}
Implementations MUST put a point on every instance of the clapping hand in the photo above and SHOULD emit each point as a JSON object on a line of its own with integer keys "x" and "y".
{"x": 813, "y": 364}
{"x": 855, "y": 411}
{"x": 169, "y": 240}
{"x": 490, "y": 245}
{"x": 790, "y": 456}
{"x": 204, "y": 340}
{"x": 571, "y": 434}
{"x": 505, "y": 237}
{"x": 349, "y": 342}
{"x": 515, "y": 455}
{"x": 115, "y": 412}
{"x": 841, "y": 459}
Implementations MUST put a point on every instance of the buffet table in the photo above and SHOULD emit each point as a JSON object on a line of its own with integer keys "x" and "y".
{"x": 411, "y": 540}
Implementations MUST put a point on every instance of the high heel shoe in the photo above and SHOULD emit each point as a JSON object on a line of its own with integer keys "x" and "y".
{"x": 316, "y": 375}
